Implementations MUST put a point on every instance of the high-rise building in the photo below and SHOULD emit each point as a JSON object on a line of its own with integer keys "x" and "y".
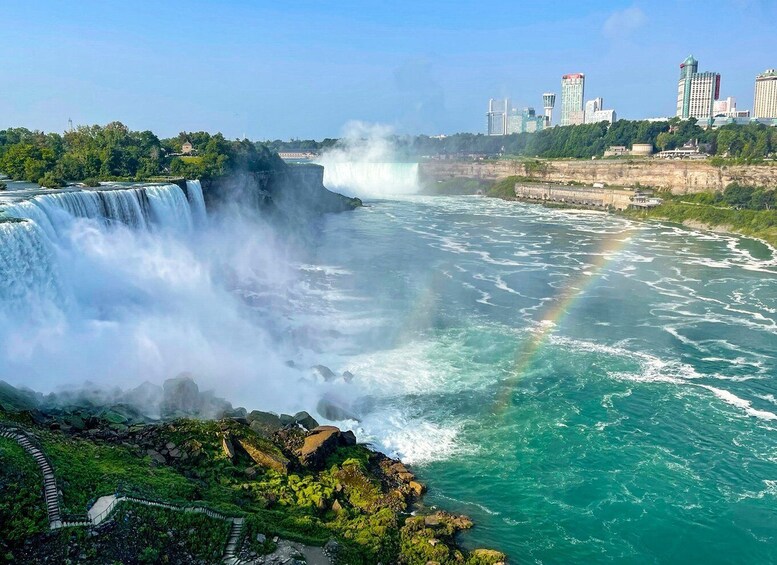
{"x": 497, "y": 116}
{"x": 572, "y": 93}
{"x": 696, "y": 92}
{"x": 514, "y": 121}
{"x": 765, "y": 101}
{"x": 548, "y": 102}
{"x": 595, "y": 112}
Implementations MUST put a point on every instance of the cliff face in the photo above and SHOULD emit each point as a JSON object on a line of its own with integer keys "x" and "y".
{"x": 680, "y": 177}
{"x": 293, "y": 190}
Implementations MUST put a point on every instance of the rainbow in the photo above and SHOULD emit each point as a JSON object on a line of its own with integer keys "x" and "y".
{"x": 558, "y": 308}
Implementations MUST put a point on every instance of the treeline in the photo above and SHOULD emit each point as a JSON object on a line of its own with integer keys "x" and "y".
{"x": 736, "y": 196}
{"x": 113, "y": 152}
{"x": 300, "y": 145}
{"x": 746, "y": 142}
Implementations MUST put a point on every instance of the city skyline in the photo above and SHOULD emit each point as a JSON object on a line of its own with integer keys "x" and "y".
{"x": 270, "y": 71}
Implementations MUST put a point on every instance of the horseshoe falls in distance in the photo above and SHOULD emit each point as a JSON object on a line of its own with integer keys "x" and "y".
{"x": 587, "y": 388}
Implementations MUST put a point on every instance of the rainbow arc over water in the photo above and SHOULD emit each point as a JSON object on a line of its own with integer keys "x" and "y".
{"x": 553, "y": 316}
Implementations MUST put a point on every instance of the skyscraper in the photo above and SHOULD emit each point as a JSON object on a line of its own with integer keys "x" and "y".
{"x": 497, "y": 116}
{"x": 548, "y": 102}
{"x": 572, "y": 93}
{"x": 765, "y": 101}
{"x": 696, "y": 92}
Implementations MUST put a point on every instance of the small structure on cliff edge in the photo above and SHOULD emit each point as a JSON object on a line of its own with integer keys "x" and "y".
{"x": 590, "y": 196}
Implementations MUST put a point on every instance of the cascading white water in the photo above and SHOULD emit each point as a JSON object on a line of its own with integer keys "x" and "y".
{"x": 169, "y": 207}
{"x": 372, "y": 180}
{"x": 26, "y": 265}
{"x": 196, "y": 202}
{"x": 125, "y": 206}
{"x": 27, "y": 247}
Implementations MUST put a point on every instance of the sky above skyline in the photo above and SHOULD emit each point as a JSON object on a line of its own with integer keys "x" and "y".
{"x": 270, "y": 70}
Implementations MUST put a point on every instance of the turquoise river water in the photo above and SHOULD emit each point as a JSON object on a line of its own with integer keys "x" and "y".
{"x": 588, "y": 389}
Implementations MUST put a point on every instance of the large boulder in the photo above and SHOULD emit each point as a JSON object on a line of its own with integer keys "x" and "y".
{"x": 181, "y": 397}
{"x": 265, "y": 456}
{"x": 305, "y": 420}
{"x": 319, "y": 444}
{"x": 264, "y": 423}
{"x": 324, "y": 372}
{"x": 333, "y": 411}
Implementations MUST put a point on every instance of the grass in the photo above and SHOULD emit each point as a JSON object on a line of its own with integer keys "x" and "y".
{"x": 22, "y": 510}
{"x": 87, "y": 470}
{"x": 346, "y": 500}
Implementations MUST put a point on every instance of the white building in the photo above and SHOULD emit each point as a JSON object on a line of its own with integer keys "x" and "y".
{"x": 765, "y": 100}
{"x": 727, "y": 108}
{"x": 595, "y": 112}
{"x": 696, "y": 92}
{"x": 572, "y": 94}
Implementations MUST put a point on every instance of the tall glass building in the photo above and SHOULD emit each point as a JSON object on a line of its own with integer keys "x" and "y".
{"x": 696, "y": 92}
{"x": 497, "y": 116}
{"x": 572, "y": 94}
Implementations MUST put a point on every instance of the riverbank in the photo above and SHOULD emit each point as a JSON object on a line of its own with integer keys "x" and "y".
{"x": 758, "y": 224}
{"x": 285, "y": 478}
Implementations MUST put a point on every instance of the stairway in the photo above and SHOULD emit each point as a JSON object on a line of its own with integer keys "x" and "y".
{"x": 51, "y": 496}
{"x": 50, "y": 491}
{"x": 233, "y": 540}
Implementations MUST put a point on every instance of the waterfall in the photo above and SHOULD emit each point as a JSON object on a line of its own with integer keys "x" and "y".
{"x": 365, "y": 179}
{"x": 143, "y": 208}
{"x": 125, "y": 206}
{"x": 27, "y": 267}
{"x": 196, "y": 202}
{"x": 32, "y": 230}
{"x": 169, "y": 207}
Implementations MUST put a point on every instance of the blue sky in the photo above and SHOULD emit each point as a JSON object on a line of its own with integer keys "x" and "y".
{"x": 303, "y": 69}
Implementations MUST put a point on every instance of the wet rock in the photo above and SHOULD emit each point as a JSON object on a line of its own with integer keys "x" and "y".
{"x": 287, "y": 420}
{"x": 319, "y": 445}
{"x": 305, "y": 420}
{"x": 227, "y": 447}
{"x": 180, "y": 397}
{"x": 347, "y": 438}
{"x": 156, "y": 456}
{"x": 334, "y": 412}
{"x": 417, "y": 488}
{"x": 324, "y": 372}
{"x": 489, "y": 556}
{"x": 265, "y": 456}
{"x": 347, "y": 376}
{"x": 264, "y": 423}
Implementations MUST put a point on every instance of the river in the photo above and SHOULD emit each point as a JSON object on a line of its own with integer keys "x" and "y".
{"x": 586, "y": 388}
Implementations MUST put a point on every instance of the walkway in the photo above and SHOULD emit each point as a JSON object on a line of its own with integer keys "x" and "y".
{"x": 104, "y": 506}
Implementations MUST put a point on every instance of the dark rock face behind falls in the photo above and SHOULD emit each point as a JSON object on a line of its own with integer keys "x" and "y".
{"x": 289, "y": 191}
